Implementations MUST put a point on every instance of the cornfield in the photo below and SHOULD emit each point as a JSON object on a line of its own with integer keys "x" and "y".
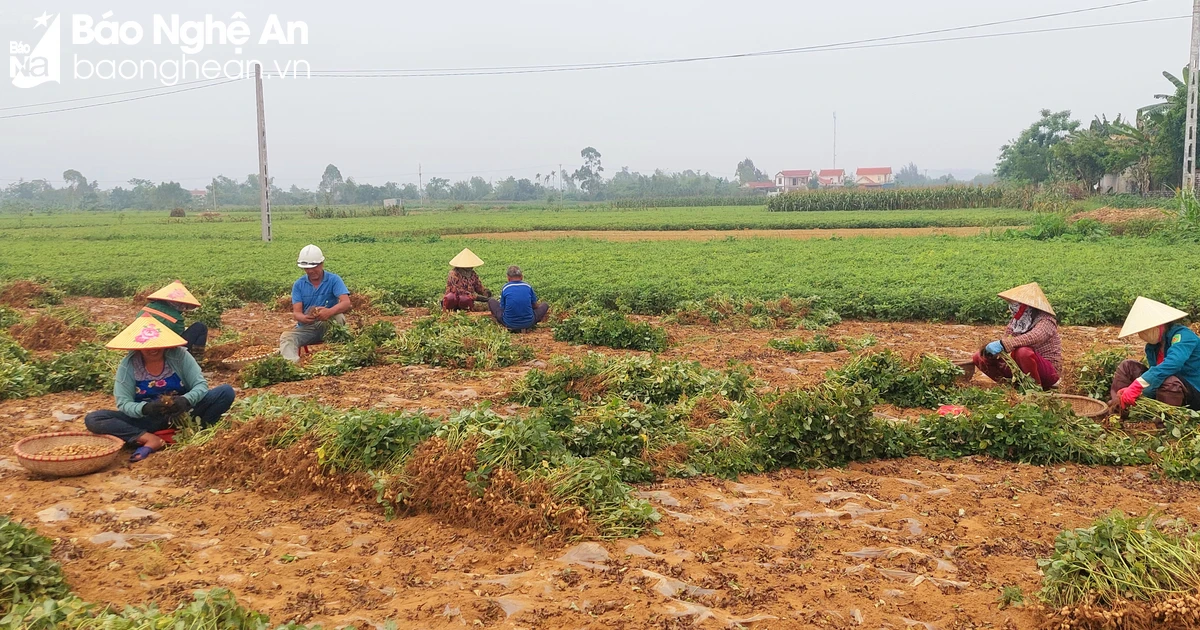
{"x": 943, "y": 198}
{"x": 707, "y": 201}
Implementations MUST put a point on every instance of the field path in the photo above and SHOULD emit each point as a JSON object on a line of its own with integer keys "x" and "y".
{"x": 709, "y": 235}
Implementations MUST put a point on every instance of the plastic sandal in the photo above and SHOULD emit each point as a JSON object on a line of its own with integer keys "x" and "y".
{"x": 141, "y": 453}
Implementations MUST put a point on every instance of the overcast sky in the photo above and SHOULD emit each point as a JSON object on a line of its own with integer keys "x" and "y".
{"x": 942, "y": 105}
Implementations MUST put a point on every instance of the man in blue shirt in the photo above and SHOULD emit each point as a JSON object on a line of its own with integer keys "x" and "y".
{"x": 518, "y": 308}
{"x": 318, "y": 297}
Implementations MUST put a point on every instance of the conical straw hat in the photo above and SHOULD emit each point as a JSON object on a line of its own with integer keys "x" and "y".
{"x": 466, "y": 259}
{"x": 1029, "y": 295}
{"x": 145, "y": 333}
{"x": 1147, "y": 314}
{"x": 175, "y": 292}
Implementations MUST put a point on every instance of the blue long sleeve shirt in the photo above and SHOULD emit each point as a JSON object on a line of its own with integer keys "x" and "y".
{"x": 1181, "y": 358}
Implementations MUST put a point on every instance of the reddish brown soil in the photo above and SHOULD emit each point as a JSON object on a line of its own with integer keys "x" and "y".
{"x": 782, "y": 548}
{"x": 19, "y": 293}
{"x": 709, "y": 235}
{"x": 50, "y": 333}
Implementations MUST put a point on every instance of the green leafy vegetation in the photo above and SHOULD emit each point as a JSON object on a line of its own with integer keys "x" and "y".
{"x": 458, "y": 341}
{"x": 89, "y": 367}
{"x": 927, "y": 382}
{"x": 1096, "y": 370}
{"x": 610, "y": 329}
{"x": 735, "y": 313}
{"x": 1121, "y": 558}
{"x": 821, "y": 343}
{"x": 271, "y": 370}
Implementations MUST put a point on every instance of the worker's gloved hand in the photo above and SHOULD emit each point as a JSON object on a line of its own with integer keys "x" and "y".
{"x": 994, "y": 348}
{"x": 155, "y": 408}
{"x": 1130, "y": 394}
{"x": 179, "y": 405}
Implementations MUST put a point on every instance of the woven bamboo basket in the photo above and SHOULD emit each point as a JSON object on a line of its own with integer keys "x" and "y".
{"x": 968, "y": 368}
{"x": 1085, "y": 407}
{"x": 244, "y": 361}
{"x": 66, "y": 465}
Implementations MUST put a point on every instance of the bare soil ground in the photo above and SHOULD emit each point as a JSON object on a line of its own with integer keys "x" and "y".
{"x": 893, "y": 544}
{"x": 709, "y": 235}
{"x": 1121, "y": 216}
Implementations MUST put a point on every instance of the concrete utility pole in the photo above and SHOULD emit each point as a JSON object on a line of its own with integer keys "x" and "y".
{"x": 835, "y": 134}
{"x": 560, "y": 179}
{"x": 421, "y": 177}
{"x": 1189, "y": 150}
{"x": 263, "y": 181}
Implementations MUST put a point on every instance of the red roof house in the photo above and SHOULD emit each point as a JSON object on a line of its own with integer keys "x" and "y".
{"x": 832, "y": 177}
{"x": 875, "y": 177}
{"x": 788, "y": 181}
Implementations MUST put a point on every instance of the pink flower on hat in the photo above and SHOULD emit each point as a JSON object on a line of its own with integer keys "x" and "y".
{"x": 148, "y": 333}
{"x": 177, "y": 293}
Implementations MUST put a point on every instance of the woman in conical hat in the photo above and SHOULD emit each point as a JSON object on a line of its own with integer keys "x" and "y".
{"x": 157, "y": 381}
{"x": 167, "y": 305}
{"x": 1172, "y": 353}
{"x": 1031, "y": 339}
{"x": 463, "y": 286}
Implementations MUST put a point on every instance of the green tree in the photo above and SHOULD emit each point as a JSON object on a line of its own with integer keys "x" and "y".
{"x": 480, "y": 187}
{"x": 1029, "y": 158}
{"x": 590, "y": 175}
{"x": 171, "y": 195}
{"x": 437, "y": 188}
{"x": 1088, "y": 154}
{"x": 331, "y": 183}
{"x": 1165, "y": 121}
{"x": 746, "y": 172}
{"x": 911, "y": 176}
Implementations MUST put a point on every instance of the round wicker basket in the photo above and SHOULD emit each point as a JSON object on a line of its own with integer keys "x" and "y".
{"x": 1085, "y": 407}
{"x": 244, "y": 361}
{"x": 66, "y": 465}
{"x": 968, "y": 368}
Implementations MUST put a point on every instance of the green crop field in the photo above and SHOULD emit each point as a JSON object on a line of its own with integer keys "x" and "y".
{"x": 290, "y": 223}
{"x": 926, "y": 278}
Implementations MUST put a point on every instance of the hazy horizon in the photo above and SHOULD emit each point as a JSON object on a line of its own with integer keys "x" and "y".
{"x": 944, "y": 106}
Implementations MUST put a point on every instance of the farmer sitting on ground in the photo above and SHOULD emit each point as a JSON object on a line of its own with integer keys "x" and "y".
{"x": 1172, "y": 351}
{"x": 463, "y": 286}
{"x": 156, "y": 382}
{"x": 318, "y": 297}
{"x": 1031, "y": 339}
{"x": 518, "y": 308}
{"x": 167, "y": 306}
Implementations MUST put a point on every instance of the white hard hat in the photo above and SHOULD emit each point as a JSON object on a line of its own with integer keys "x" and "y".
{"x": 310, "y": 257}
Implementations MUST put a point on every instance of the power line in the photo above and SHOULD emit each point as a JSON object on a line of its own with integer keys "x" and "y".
{"x": 125, "y": 100}
{"x": 111, "y": 94}
{"x": 346, "y": 74}
{"x": 601, "y": 65}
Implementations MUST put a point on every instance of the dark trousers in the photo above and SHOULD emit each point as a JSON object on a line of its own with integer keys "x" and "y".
{"x": 540, "y": 310}
{"x": 196, "y": 335}
{"x": 1029, "y": 361}
{"x": 1174, "y": 390}
{"x": 209, "y": 410}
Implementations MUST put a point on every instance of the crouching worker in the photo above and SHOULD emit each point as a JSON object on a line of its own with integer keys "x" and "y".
{"x": 167, "y": 305}
{"x": 318, "y": 297}
{"x": 1172, "y": 352}
{"x": 157, "y": 381}
{"x": 1031, "y": 339}
{"x": 463, "y": 286}
{"x": 518, "y": 308}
